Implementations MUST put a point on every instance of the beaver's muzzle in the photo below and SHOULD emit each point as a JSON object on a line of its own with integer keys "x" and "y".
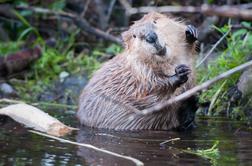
{"x": 152, "y": 38}
{"x": 161, "y": 51}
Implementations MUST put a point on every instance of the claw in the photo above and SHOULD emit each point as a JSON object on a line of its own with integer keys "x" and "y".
{"x": 182, "y": 72}
{"x": 181, "y": 69}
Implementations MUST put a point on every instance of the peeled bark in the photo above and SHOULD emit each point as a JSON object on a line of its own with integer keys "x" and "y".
{"x": 35, "y": 118}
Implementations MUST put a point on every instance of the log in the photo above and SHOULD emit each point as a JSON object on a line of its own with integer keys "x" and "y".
{"x": 16, "y": 62}
{"x": 234, "y": 11}
{"x": 35, "y": 118}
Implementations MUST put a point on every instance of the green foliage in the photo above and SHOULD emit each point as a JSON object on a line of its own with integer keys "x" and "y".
{"x": 21, "y": 29}
{"x": 54, "y": 5}
{"x": 27, "y": 27}
{"x": 238, "y": 113}
{"x": 114, "y": 49}
{"x": 9, "y": 47}
{"x": 210, "y": 1}
{"x": 47, "y": 69}
{"x": 54, "y": 60}
{"x": 49, "y": 64}
{"x": 212, "y": 153}
{"x": 58, "y": 5}
{"x": 238, "y": 49}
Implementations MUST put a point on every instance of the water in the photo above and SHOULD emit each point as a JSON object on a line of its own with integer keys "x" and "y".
{"x": 19, "y": 147}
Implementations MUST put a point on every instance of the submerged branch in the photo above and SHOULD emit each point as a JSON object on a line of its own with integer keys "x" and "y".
{"x": 41, "y": 103}
{"x": 136, "y": 161}
{"x": 196, "y": 89}
{"x": 170, "y": 140}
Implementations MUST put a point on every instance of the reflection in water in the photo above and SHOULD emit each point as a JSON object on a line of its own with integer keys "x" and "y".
{"x": 143, "y": 145}
{"x": 18, "y": 147}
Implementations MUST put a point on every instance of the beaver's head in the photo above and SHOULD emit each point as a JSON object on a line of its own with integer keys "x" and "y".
{"x": 157, "y": 38}
{"x": 144, "y": 40}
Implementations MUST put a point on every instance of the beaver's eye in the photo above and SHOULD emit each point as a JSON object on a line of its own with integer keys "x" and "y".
{"x": 151, "y": 37}
{"x": 154, "y": 21}
{"x": 134, "y": 36}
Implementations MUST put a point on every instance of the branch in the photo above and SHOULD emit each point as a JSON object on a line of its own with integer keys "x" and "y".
{"x": 213, "y": 48}
{"x": 85, "y": 8}
{"x": 84, "y": 25}
{"x": 42, "y": 103}
{"x": 136, "y": 161}
{"x": 35, "y": 118}
{"x": 5, "y": 10}
{"x": 196, "y": 89}
{"x": 240, "y": 26}
{"x": 220, "y": 40}
{"x": 110, "y": 10}
{"x": 234, "y": 11}
{"x": 77, "y": 20}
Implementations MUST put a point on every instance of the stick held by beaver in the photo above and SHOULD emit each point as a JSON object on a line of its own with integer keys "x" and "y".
{"x": 156, "y": 64}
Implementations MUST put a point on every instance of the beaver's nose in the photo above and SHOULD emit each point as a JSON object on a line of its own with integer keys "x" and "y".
{"x": 151, "y": 37}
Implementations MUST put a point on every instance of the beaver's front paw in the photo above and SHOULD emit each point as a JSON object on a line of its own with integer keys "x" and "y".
{"x": 182, "y": 72}
{"x": 191, "y": 34}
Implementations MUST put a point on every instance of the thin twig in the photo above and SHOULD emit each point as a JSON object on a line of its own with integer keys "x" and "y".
{"x": 136, "y": 161}
{"x": 213, "y": 48}
{"x": 244, "y": 6}
{"x": 110, "y": 9}
{"x": 170, "y": 140}
{"x": 85, "y": 9}
{"x": 240, "y": 26}
{"x": 215, "y": 98}
{"x": 4, "y": 100}
{"x": 57, "y": 105}
{"x": 194, "y": 90}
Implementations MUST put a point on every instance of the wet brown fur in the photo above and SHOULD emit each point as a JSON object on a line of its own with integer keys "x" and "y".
{"x": 134, "y": 80}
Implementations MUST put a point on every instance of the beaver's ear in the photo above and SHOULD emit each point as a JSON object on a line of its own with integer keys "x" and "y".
{"x": 191, "y": 34}
{"x": 126, "y": 37}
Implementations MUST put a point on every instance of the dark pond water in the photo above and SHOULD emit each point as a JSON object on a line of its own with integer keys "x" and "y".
{"x": 19, "y": 147}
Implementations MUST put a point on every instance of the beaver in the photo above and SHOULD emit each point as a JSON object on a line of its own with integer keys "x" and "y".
{"x": 156, "y": 64}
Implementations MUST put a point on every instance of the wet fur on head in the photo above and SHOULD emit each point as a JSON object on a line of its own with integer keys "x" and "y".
{"x": 171, "y": 34}
{"x": 148, "y": 18}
